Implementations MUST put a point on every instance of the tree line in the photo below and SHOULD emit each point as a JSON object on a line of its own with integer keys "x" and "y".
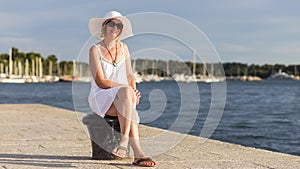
{"x": 147, "y": 66}
{"x": 57, "y": 68}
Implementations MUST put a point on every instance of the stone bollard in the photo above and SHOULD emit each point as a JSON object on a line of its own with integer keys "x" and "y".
{"x": 104, "y": 135}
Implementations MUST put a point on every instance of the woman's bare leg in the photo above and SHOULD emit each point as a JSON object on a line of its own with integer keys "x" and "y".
{"x": 135, "y": 141}
{"x": 125, "y": 110}
{"x": 127, "y": 115}
{"x": 112, "y": 111}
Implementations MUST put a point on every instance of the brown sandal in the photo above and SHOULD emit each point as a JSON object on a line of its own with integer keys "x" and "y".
{"x": 117, "y": 151}
{"x": 144, "y": 162}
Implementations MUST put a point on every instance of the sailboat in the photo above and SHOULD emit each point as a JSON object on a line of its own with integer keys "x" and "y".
{"x": 211, "y": 78}
{"x": 69, "y": 78}
{"x": 153, "y": 76}
{"x": 12, "y": 78}
{"x": 137, "y": 76}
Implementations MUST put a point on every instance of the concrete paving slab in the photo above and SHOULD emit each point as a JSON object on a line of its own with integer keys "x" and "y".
{"x": 40, "y": 136}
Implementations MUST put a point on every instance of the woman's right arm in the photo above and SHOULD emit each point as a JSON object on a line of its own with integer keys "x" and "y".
{"x": 96, "y": 70}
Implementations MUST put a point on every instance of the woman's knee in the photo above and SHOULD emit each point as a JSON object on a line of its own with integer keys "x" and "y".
{"x": 125, "y": 93}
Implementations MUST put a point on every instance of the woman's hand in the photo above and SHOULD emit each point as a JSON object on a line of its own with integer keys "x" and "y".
{"x": 138, "y": 96}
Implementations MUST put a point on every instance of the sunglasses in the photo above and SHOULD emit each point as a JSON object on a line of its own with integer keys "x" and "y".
{"x": 112, "y": 24}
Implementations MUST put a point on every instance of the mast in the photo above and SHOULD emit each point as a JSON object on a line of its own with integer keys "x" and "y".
{"x": 50, "y": 68}
{"x": 74, "y": 67}
{"x": 15, "y": 72}
{"x": 80, "y": 70}
{"x": 143, "y": 67}
{"x": 41, "y": 68}
{"x": 194, "y": 65}
{"x": 153, "y": 64}
{"x": 204, "y": 71}
{"x": 6, "y": 71}
{"x": 1, "y": 68}
{"x": 26, "y": 68}
{"x": 20, "y": 70}
{"x": 10, "y": 63}
{"x": 32, "y": 67}
{"x": 212, "y": 70}
{"x": 168, "y": 68}
{"x": 58, "y": 69}
{"x": 36, "y": 67}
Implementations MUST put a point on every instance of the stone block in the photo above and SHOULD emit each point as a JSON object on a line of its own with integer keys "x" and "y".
{"x": 104, "y": 135}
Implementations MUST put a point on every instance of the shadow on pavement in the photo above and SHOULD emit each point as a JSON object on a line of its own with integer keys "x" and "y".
{"x": 44, "y": 160}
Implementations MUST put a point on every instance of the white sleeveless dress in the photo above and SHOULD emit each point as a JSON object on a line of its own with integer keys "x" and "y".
{"x": 100, "y": 99}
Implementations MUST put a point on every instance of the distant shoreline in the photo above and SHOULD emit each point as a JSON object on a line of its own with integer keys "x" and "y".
{"x": 20, "y": 64}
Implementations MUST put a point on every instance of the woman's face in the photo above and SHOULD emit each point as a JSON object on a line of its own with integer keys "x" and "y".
{"x": 113, "y": 28}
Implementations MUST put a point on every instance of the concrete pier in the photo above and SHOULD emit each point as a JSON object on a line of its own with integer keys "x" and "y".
{"x": 39, "y": 136}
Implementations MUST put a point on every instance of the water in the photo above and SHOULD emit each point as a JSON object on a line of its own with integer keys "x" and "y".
{"x": 257, "y": 114}
{"x": 54, "y": 94}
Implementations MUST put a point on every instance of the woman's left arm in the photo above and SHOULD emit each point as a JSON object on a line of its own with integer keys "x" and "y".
{"x": 130, "y": 74}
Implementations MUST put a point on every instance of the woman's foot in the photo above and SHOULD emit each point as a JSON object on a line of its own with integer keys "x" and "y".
{"x": 144, "y": 162}
{"x": 119, "y": 151}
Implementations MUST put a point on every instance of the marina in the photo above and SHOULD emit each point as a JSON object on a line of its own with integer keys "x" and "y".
{"x": 16, "y": 73}
{"x": 32, "y": 68}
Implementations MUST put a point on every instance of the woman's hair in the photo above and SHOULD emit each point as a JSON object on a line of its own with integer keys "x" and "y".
{"x": 103, "y": 30}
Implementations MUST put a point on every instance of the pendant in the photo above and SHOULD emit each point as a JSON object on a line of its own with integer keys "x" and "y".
{"x": 114, "y": 64}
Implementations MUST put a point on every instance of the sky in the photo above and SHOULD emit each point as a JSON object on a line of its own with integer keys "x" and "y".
{"x": 246, "y": 31}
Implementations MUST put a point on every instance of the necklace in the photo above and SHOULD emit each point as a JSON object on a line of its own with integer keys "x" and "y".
{"x": 114, "y": 63}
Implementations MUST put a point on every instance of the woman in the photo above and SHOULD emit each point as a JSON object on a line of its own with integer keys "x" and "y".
{"x": 113, "y": 89}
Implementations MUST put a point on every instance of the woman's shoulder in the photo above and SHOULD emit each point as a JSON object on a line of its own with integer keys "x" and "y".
{"x": 124, "y": 45}
{"x": 95, "y": 47}
{"x": 94, "y": 50}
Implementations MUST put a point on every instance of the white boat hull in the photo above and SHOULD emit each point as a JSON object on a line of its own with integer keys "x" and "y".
{"x": 12, "y": 81}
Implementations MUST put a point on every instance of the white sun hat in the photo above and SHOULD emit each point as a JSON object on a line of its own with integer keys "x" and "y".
{"x": 95, "y": 25}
